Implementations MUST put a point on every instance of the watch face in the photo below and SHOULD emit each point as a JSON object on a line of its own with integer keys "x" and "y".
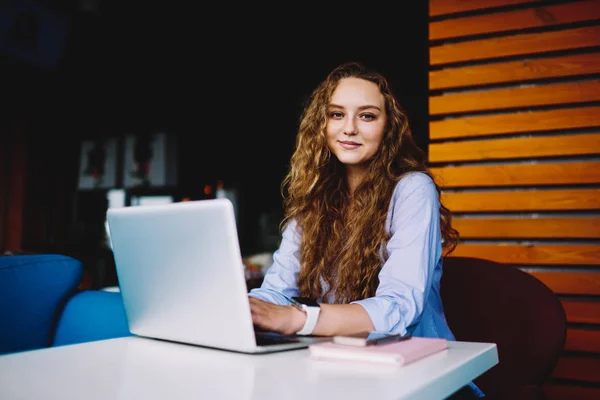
{"x": 307, "y": 301}
{"x": 299, "y": 306}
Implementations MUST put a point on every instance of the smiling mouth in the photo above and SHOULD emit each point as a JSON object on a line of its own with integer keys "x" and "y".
{"x": 346, "y": 145}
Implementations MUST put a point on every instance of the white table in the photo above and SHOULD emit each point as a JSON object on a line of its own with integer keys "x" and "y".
{"x": 138, "y": 368}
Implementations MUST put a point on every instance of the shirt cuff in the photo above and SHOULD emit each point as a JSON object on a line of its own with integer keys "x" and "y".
{"x": 385, "y": 314}
{"x": 270, "y": 295}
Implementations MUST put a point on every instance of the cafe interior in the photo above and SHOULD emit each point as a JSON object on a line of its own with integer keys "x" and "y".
{"x": 111, "y": 104}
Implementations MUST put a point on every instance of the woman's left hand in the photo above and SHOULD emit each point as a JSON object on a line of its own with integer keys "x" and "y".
{"x": 272, "y": 317}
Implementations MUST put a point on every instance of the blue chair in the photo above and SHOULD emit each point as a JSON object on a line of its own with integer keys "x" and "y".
{"x": 33, "y": 290}
{"x": 91, "y": 315}
{"x": 41, "y": 305}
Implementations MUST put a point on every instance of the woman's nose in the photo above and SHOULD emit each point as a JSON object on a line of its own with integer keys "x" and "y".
{"x": 350, "y": 127}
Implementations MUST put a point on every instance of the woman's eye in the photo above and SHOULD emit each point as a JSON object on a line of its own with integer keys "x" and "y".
{"x": 368, "y": 117}
{"x": 336, "y": 114}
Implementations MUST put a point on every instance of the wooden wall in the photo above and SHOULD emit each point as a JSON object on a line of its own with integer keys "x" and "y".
{"x": 514, "y": 111}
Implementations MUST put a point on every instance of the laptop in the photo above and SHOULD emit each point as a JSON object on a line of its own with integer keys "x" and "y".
{"x": 182, "y": 278}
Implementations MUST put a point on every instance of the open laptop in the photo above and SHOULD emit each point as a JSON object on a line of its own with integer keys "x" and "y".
{"x": 182, "y": 278}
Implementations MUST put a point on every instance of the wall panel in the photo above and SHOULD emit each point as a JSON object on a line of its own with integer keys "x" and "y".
{"x": 515, "y": 147}
{"x": 566, "y": 227}
{"x": 515, "y": 45}
{"x": 582, "y": 311}
{"x": 515, "y": 71}
{"x": 516, "y": 122}
{"x": 516, "y": 20}
{"x": 522, "y": 200}
{"x": 526, "y": 96}
{"x": 441, "y": 7}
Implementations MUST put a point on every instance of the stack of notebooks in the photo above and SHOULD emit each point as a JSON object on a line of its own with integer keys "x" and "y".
{"x": 395, "y": 353}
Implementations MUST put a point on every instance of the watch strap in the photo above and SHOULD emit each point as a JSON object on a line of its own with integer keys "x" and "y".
{"x": 312, "y": 315}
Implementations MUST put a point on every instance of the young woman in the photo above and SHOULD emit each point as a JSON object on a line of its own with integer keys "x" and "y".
{"x": 364, "y": 230}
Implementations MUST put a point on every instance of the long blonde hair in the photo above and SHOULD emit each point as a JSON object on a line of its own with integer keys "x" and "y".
{"x": 339, "y": 248}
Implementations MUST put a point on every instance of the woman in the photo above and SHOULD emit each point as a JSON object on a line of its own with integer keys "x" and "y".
{"x": 364, "y": 227}
{"x": 364, "y": 230}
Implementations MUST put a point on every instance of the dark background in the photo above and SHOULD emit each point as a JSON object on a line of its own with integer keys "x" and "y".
{"x": 228, "y": 80}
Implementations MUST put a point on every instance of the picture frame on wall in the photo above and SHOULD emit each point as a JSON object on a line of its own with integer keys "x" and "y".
{"x": 98, "y": 164}
{"x": 150, "y": 160}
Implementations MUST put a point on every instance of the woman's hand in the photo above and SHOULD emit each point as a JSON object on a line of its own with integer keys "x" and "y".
{"x": 272, "y": 317}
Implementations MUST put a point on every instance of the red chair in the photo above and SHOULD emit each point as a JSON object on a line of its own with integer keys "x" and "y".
{"x": 485, "y": 301}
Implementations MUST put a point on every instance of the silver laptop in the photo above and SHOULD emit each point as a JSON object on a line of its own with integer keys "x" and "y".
{"x": 182, "y": 279}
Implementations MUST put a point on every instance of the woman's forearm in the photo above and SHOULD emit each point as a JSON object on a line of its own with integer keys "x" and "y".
{"x": 342, "y": 319}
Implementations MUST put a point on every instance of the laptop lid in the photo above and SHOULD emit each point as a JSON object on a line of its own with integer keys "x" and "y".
{"x": 181, "y": 274}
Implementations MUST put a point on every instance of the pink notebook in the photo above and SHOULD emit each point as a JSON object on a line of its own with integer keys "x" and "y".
{"x": 397, "y": 353}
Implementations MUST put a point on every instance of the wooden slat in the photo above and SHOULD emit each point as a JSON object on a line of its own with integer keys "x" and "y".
{"x": 441, "y": 7}
{"x": 555, "y": 391}
{"x": 530, "y": 43}
{"x": 499, "y": 99}
{"x": 540, "y": 16}
{"x": 540, "y": 254}
{"x": 546, "y": 146}
{"x": 581, "y": 368}
{"x": 535, "y": 121}
{"x": 518, "y": 174}
{"x": 522, "y": 200}
{"x": 522, "y": 70}
{"x": 581, "y": 311}
{"x": 585, "y": 283}
{"x": 528, "y": 228}
{"x": 584, "y": 340}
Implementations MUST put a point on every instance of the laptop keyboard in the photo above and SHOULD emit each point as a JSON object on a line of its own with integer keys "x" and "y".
{"x": 265, "y": 338}
{"x": 271, "y": 338}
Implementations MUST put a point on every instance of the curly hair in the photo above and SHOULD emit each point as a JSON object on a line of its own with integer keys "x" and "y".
{"x": 339, "y": 250}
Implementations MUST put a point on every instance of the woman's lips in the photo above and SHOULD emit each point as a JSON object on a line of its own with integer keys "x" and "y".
{"x": 349, "y": 145}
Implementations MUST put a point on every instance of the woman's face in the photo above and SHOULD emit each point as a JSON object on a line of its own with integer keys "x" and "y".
{"x": 356, "y": 121}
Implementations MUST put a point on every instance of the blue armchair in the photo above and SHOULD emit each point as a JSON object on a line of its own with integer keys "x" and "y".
{"x": 91, "y": 315}
{"x": 41, "y": 304}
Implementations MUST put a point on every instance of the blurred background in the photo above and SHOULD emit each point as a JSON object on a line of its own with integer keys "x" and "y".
{"x": 120, "y": 103}
{"x": 222, "y": 86}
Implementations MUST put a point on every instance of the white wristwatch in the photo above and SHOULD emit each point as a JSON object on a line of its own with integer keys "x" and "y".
{"x": 312, "y": 310}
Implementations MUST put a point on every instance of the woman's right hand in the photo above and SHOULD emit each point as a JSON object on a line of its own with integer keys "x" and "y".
{"x": 272, "y": 317}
